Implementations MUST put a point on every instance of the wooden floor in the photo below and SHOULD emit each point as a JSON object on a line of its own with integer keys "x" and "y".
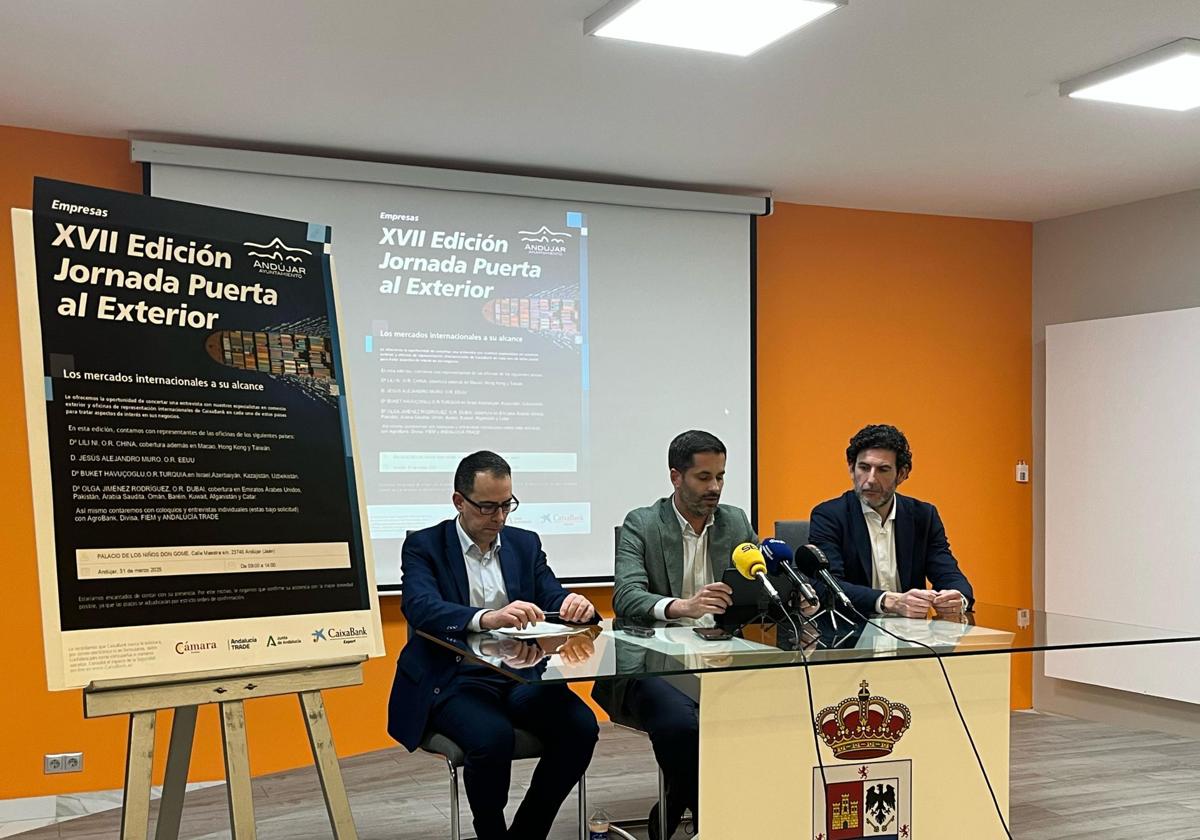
{"x": 1070, "y": 779}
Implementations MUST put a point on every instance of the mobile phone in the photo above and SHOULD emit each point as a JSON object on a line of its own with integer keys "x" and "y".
{"x": 640, "y": 632}
{"x": 712, "y": 634}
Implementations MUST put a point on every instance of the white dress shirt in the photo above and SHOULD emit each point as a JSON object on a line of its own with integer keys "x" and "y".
{"x": 484, "y": 576}
{"x": 885, "y": 573}
{"x": 697, "y": 571}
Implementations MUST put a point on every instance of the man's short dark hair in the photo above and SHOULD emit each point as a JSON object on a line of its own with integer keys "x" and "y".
{"x": 477, "y": 462}
{"x": 685, "y": 446}
{"x": 880, "y": 436}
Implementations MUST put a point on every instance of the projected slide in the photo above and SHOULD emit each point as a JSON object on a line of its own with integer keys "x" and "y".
{"x": 575, "y": 338}
{"x": 478, "y": 339}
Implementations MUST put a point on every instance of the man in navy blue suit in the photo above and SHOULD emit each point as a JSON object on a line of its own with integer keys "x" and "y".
{"x": 882, "y": 546}
{"x": 474, "y": 573}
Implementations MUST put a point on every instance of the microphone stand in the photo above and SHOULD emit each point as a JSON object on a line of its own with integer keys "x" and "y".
{"x": 765, "y": 618}
{"x": 830, "y": 598}
{"x": 793, "y": 609}
{"x": 828, "y": 609}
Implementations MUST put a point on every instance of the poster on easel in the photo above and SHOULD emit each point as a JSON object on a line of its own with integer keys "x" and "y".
{"x": 196, "y": 499}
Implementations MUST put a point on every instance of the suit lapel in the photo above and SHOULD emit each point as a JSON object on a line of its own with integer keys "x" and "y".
{"x": 858, "y": 532}
{"x": 670, "y": 536}
{"x": 719, "y": 547}
{"x": 510, "y": 569}
{"x": 456, "y": 564}
{"x": 905, "y": 531}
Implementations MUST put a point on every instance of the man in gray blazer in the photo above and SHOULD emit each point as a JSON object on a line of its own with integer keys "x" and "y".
{"x": 670, "y": 558}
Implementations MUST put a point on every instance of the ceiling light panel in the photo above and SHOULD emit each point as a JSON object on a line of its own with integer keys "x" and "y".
{"x": 734, "y": 27}
{"x": 1167, "y": 77}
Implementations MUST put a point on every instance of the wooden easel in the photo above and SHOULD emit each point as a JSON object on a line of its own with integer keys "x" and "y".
{"x": 142, "y": 698}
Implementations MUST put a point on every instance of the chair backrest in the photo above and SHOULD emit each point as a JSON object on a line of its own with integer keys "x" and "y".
{"x": 794, "y": 532}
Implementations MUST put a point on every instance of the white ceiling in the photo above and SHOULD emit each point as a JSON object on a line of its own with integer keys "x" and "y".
{"x": 932, "y": 106}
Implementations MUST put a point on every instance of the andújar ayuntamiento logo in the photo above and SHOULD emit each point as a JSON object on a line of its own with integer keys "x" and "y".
{"x": 277, "y": 259}
{"x": 545, "y": 242}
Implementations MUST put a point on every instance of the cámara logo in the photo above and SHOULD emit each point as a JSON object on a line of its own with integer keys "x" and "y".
{"x": 545, "y": 241}
{"x": 277, "y": 259}
{"x": 194, "y": 647}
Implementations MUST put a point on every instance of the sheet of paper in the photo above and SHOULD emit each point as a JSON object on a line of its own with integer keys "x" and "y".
{"x": 539, "y": 629}
{"x": 677, "y": 641}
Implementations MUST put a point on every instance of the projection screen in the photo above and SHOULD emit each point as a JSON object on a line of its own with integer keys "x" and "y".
{"x": 574, "y": 328}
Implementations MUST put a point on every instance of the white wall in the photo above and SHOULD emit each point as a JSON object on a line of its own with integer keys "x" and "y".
{"x": 1136, "y": 258}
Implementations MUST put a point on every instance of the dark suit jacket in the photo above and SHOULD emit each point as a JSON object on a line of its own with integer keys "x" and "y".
{"x": 838, "y": 528}
{"x": 437, "y": 600}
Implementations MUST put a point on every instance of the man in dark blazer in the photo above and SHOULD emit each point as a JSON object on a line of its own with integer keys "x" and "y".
{"x": 469, "y": 574}
{"x": 882, "y": 546}
{"x": 670, "y": 558}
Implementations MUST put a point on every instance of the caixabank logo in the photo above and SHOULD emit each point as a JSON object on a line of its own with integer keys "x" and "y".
{"x": 345, "y": 635}
{"x": 277, "y": 259}
{"x": 867, "y": 799}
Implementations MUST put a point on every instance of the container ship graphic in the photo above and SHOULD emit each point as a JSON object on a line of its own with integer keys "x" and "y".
{"x": 297, "y": 353}
{"x": 553, "y": 314}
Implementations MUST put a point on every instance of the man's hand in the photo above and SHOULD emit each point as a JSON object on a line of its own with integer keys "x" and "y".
{"x": 948, "y": 603}
{"x": 517, "y": 654}
{"x": 512, "y": 652}
{"x": 712, "y": 598}
{"x": 577, "y": 649}
{"x": 518, "y": 614}
{"x": 576, "y": 609}
{"x": 914, "y": 603}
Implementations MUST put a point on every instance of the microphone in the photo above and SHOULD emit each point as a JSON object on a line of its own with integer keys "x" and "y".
{"x": 812, "y": 562}
{"x": 748, "y": 560}
{"x": 778, "y": 555}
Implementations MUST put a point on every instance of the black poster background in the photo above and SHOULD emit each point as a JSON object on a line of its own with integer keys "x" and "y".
{"x": 319, "y": 453}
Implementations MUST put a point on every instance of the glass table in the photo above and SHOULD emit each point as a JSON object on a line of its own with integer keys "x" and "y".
{"x": 892, "y": 728}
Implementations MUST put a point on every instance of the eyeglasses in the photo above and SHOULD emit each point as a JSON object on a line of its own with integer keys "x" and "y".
{"x": 492, "y": 508}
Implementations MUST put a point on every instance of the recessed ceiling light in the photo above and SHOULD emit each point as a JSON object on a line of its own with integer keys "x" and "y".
{"x": 1166, "y": 77}
{"x": 735, "y": 27}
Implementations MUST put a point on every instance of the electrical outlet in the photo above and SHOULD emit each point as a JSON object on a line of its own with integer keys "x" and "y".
{"x": 63, "y": 762}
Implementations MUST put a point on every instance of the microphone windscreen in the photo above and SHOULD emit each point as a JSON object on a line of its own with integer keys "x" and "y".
{"x": 775, "y": 551}
{"x": 809, "y": 559}
{"x": 748, "y": 560}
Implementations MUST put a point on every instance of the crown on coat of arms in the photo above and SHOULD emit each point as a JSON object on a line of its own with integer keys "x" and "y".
{"x": 863, "y": 726}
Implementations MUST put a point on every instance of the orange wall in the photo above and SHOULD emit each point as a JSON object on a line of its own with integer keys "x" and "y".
{"x": 952, "y": 318}
{"x": 38, "y": 721}
{"x": 54, "y": 721}
{"x": 919, "y": 321}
